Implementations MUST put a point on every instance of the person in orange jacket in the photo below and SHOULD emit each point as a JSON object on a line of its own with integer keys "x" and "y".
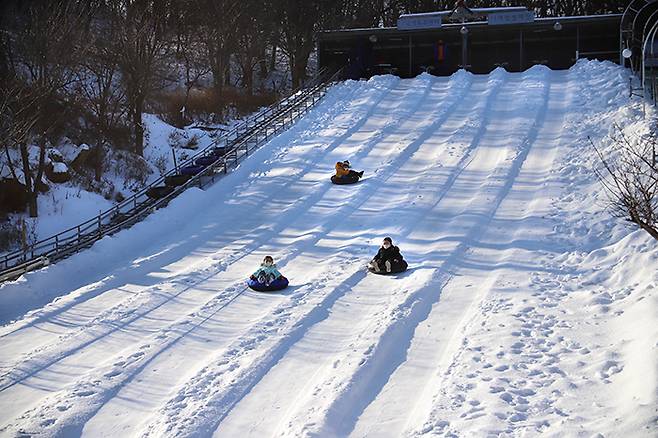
{"x": 343, "y": 170}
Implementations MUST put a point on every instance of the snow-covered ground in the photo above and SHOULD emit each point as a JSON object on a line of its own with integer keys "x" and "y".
{"x": 66, "y": 205}
{"x": 526, "y": 308}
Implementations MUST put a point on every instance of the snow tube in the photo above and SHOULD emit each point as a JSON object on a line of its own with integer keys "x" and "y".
{"x": 396, "y": 268}
{"x": 278, "y": 284}
{"x": 219, "y": 151}
{"x": 159, "y": 192}
{"x": 176, "y": 180}
{"x": 347, "y": 179}
{"x": 206, "y": 161}
{"x": 192, "y": 170}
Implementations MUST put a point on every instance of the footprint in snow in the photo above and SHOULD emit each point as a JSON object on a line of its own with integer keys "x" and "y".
{"x": 518, "y": 417}
{"x": 609, "y": 368}
{"x": 507, "y": 397}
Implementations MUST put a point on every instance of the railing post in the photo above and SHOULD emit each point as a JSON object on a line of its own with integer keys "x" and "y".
{"x": 56, "y": 242}
{"x": 99, "y": 227}
{"x": 78, "y": 239}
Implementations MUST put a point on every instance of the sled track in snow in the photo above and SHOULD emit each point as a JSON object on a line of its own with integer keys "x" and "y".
{"x": 173, "y": 344}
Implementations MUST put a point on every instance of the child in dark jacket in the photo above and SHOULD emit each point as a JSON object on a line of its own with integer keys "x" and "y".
{"x": 388, "y": 257}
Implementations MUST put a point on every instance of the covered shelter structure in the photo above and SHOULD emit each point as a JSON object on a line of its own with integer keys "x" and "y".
{"x": 478, "y": 41}
{"x": 638, "y": 45}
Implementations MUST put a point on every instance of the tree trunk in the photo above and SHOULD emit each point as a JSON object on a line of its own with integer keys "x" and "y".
{"x": 635, "y": 217}
{"x": 10, "y": 163}
{"x": 25, "y": 157}
{"x": 98, "y": 160}
{"x": 652, "y": 231}
{"x": 262, "y": 67}
{"x": 37, "y": 181}
{"x": 293, "y": 70}
{"x": 298, "y": 69}
{"x": 217, "y": 68}
{"x": 248, "y": 79}
{"x": 227, "y": 74}
{"x": 138, "y": 126}
{"x": 32, "y": 203}
{"x": 273, "y": 58}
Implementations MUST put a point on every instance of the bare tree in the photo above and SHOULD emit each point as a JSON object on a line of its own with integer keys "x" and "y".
{"x": 99, "y": 85}
{"x": 299, "y": 21}
{"x": 142, "y": 49}
{"x": 256, "y": 27}
{"x": 48, "y": 42}
{"x": 190, "y": 49}
{"x": 630, "y": 178}
{"x": 17, "y": 119}
{"x": 220, "y": 36}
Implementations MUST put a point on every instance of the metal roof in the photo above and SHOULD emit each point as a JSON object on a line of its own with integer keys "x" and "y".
{"x": 395, "y": 30}
{"x": 474, "y": 10}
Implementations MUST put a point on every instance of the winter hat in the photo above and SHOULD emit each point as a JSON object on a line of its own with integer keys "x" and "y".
{"x": 347, "y": 163}
{"x": 268, "y": 259}
{"x": 388, "y": 239}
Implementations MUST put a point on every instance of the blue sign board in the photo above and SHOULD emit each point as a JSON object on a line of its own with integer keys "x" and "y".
{"x": 417, "y": 21}
{"x": 515, "y": 17}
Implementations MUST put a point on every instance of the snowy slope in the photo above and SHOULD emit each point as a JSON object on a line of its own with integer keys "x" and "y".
{"x": 526, "y": 309}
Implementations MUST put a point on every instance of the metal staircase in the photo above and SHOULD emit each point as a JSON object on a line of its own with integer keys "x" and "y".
{"x": 217, "y": 159}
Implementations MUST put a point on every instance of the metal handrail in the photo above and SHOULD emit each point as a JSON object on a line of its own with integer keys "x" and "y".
{"x": 139, "y": 205}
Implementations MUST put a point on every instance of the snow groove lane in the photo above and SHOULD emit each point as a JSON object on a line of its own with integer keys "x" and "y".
{"x": 539, "y": 158}
{"x": 322, "y": 229}
{"x": 482, "y": 183}
{"x": 55, "y": 411}
{"x": 350, "y": 102}
{"x": 120, "y": 315}
{"x": 110, "y": 321}
{"x": 273, "y": 231}
{"x": 45, "y": 316}
{"x": 411, "y": 147}
{"x": 367, "y": 381}
{"x": 427, "y": 309}
{"x": 206, "y": 399}
{"x": 312, "y": 237}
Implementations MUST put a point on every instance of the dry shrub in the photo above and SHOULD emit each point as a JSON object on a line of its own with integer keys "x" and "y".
{"x": 630, "y": 178}
{"x": 207, "y": 104}
{"x": 120, "y": 136}
{"x": 245, "y": 104}
{"x": 10, "y": 234}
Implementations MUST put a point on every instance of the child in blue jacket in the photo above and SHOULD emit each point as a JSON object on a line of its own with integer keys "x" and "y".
{"x": 267, "y": 272}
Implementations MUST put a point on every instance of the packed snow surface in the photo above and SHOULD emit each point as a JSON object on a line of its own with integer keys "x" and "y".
{"x": 527, "y": 308}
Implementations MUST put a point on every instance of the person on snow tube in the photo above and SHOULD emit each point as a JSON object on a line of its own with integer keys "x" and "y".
{"x": 267, "y": 272}
{"x": 388, "y": 258}
{"x": 343, "y": 170}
